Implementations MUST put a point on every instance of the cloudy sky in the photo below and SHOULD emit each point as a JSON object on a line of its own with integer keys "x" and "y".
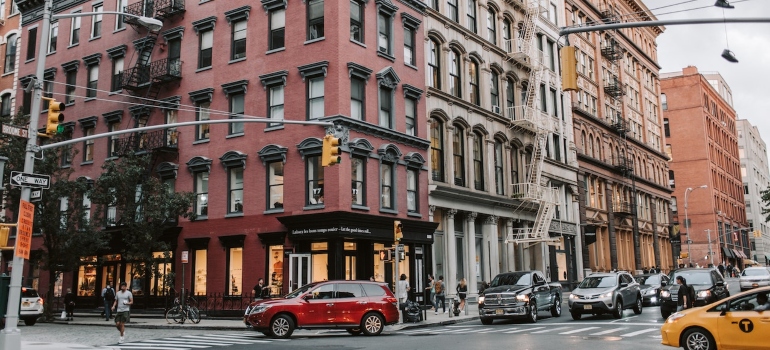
{"x": 701, "y": 46}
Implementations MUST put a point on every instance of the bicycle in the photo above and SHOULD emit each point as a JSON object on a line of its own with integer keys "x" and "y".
{"x": 180, "y": 314}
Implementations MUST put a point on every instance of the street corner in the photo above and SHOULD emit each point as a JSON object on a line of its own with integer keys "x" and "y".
{"x": 62, "y": 346}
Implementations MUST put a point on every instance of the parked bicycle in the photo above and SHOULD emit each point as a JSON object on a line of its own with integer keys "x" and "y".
{"x": 180, "y": 314}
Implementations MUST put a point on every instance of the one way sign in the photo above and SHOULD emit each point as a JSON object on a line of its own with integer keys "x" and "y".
{"x": 30, "y": 180}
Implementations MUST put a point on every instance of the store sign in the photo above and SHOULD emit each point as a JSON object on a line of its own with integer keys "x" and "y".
{"x": 185, "y": 257}
{"x": 325, "y": 230}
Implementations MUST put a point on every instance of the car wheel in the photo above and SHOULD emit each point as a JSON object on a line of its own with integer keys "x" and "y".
{"x": 697, "y": 339}
{"x": 532, "y": 312}
{"x": 354, "y": 331}
{"x": 556, "y": 308}
{"x": 618, "y": 312}
{"x": 576, "y": 316}
{"x": 487, "y": 321}
{"x": 638, "y": 307}
{"x": 30, "y": 321}
{"x": 372, "y": 324}
{"x": 282, "y": 326}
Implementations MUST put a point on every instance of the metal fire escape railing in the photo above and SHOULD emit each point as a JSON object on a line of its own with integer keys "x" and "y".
{"x": 530, "y": 119}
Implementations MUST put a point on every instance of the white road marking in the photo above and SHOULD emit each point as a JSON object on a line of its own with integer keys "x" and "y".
{"x": 578, "y": 330}
{"x": 639, "y": 332}
{"x": 523, "y": 330}
{"x": 609, "y": 331}
{"x": 550, "y": 330}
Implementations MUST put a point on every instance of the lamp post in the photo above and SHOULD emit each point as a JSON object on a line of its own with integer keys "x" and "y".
{"x": 10, "y": 336}
{"x": 687, "y": 221}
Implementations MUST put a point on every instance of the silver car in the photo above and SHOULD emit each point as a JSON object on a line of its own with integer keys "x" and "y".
{"x": 602, "y": 293}
{"x": 31, "y": 306}
{"x": 754, "y": 277}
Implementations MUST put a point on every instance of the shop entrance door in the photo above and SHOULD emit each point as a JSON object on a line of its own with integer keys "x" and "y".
{"x": 300, "y": 270}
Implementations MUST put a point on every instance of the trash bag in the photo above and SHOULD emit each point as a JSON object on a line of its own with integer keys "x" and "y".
{"x": 64, "y": 315}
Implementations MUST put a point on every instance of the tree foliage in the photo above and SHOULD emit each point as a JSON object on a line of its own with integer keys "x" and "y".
{"x": 766, "y": 203}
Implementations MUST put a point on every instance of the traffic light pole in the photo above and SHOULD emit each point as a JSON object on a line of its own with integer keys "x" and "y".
{"x": 10, "y": 337}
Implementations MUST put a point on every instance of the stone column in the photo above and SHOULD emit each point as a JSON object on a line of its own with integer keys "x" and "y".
{"x": 431, "y": 210}
{"x": 451, "y": 251}
{"x": 490, "y": 227}
{"x": 655, "y": 240}
{"x": 611, "y": 226}
{"x": 470, "y": 238}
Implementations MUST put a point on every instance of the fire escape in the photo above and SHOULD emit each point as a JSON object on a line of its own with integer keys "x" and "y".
{"x": 145, "y": 79}
{"x": 528, "y": 118}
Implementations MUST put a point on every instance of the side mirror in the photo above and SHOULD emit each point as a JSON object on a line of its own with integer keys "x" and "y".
{"x": 720, "y": 283}
{"x": 623, "y": 284}
{"x": 663, "y": 283}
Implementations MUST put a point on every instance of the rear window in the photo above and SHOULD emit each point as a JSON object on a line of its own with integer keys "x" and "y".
{"x": 29, "y": 293}
{"x": 373, "y": 290}
{"x": 693, "y": 276}
{"x": 654, "y": 279}
{"x": 598, "y": 282}
{"x": 755, "y": 272}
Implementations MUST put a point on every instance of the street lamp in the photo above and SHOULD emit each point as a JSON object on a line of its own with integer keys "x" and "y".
{"x": 10, "y": 337}
{"x": 687, "y": 221}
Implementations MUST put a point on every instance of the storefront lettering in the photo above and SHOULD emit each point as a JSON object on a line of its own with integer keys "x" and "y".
{"x": 307, "y": 231}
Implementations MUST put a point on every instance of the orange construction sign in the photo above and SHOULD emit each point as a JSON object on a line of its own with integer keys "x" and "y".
{"x": 24, "y": 229}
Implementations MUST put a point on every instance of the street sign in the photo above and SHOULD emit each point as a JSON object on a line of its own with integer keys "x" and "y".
{"x": 30, "y": 180}
{"x": 400, "y": 248}
{"x": 184, "y": 256}
{"x": 24, "y": 229}
{"x": 36, "y": 195}
{"x": 15, "y": 131}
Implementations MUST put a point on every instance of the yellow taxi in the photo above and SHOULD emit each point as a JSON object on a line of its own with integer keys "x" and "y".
{"x": 740, "y": 322}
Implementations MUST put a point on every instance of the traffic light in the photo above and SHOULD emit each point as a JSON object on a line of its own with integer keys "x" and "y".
{"x": 757, "y": 233}
{"x": 330, "y": 154}
{"x": 684, "y": 255}
{"x": 568, "y": 69}
{"x": 397, "y": 234}
{"x": 55, "y": 117}
{"x": 5, "y": 231}
{"x": 386, "y": 255}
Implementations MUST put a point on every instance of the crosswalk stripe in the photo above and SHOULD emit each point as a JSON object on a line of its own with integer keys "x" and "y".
{"x": 201, "y": 342}
{"x": 639, "y": 332}
{"x": 172, "y": 342}
{"x": 493, "y": 330}
{"x": 235, "y": 337}
{"x": 578, "y": 330}
{"x": 609, "y": 331}
{"x": 523, "y": 330}
{"x": 550, "y": 330}
{"x": 228, "y": 340}
{"x": 141, "y": 347}
{"x": 458, "y": 330}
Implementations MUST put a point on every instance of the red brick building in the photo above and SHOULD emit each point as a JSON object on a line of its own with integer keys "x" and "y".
{"x": 9, "y": 44}
{"x": 266, "y": 207}
{"x": 702, "y": 142}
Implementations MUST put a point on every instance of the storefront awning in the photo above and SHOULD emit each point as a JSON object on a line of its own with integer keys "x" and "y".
{"x": 728, "y": 253}
{"x": 739, "y": 254}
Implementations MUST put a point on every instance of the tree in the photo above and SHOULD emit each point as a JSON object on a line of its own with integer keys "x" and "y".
{"x": 766, "y": 201}
{"x": 63, "y": 217}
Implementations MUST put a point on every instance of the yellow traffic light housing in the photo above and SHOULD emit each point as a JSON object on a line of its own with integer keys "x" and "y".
{"x": 5, "y": 232}
{"x": 397, "y": 233}
{"x": 55, "y": 117}
{"x": 568, "y": 69}
{"x": 684, "y": 255}
{"x": 330, "y": 154}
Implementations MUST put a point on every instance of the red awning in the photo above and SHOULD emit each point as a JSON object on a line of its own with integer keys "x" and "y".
{"x": 738, "y": 254}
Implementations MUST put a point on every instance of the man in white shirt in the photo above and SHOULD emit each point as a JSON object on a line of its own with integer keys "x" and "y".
{"x": 122, "y": 305}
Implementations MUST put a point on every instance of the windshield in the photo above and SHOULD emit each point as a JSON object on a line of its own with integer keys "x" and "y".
{"x": 755, "y": 272}
{"x": 599, "y": 282}
{"x": 28, "y": 293}
{"x": 509, "y": 279}
{"x": 693, "y": 277}
{"x": 299, "y": 291}
{"x": 648, "y": 280}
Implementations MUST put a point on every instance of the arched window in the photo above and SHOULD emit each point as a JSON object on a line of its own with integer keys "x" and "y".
{"x": 507, "y": 35}
{"x": 10, "y": 54}
{"x": 454, "y": 73}
{"x": 583, "y": 142}
{"x": 5, "y": 105}
{"x": 458, "y": 155}
{"x": 514, "y": 165}
{"x": 499, "y": 165}
{"x": 494, "y": 92}
{"x": 590, "y": 144}
{"x": 509, "y": 98}
{"x": 478, "y": 161}
{"x": 492, "y": 26}
{"x": 437, "y": 149}
{"x": 434, "y": 65}
{"x": 473, "y": 77}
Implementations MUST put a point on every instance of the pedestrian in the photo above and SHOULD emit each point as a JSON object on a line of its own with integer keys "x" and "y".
{"x": 123, "y": 301}
{"x": 646, "y": 271}
{"x": 462, "y": 292}
{"x": 729, "y": 270}
{"x": 403, "y": 289}
{"x": 683, "y": 294}
{"x": 371, "y": 278}
{"x": 260, "y": 289}
{"x": 721, "y": 269}
{"x": 108, "y": 296}
{"x": 440, "y": 296}
{"x": 69, "y": 304}
{"x": 432, "y": 288}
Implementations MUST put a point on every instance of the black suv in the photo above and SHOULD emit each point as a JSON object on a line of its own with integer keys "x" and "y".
{"x": 708, "y": 283}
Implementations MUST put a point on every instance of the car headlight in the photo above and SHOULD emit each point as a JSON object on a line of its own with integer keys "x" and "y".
{"x": 481, "y": 299}
{"x": 259, "y": 309}
{"x": 650, "y": 292}
{"x": 522, "y": 297}
{"x": 573, "y": 297}
{"x": 606, "y": 295}
{"x": 674, "y": 317}
{"x": 665, "y": 294}
{"x": 40, "y": 301}
{"x": 704, "y": 294}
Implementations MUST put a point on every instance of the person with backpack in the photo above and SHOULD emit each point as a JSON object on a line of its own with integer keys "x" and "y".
{"x": 108, "y": 296}
{"x": 462, "y": 292}
{"x": 439, "y": 287}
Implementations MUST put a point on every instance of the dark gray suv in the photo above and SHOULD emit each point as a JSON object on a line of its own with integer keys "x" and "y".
{"x": 602, "y": 293}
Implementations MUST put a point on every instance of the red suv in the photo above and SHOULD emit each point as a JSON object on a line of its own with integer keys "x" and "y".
{"x": 358, "y": 306}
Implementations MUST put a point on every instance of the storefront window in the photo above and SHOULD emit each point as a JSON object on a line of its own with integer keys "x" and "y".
{"x": 57, "y": 285}
{"x": 350, "y": 261}
{"x": 135, "y": 279}
{"x": 235, "y": 272}
{"x": 379, "y": 265}
{"x": 320, "y": 264}
{"x": 87, "y": 277}
{"x": 199, "y": 283}
{"x": 275, "y": 269}
{"x": 161, "y": 280}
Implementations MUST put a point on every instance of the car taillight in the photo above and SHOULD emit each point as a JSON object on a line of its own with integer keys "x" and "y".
{"x": 391, "y": 300}
{"x": 40, "y": 301}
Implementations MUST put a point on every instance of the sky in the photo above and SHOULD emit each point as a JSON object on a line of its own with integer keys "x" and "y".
{"x": 701, "y": 45}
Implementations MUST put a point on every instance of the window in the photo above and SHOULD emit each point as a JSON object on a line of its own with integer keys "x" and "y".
{"x": 112, "y": 144}
{"x": 356, "y": 21}
{"x": 315, "y": 19}
{"x": 437, "y": 150}
{"x": 411, "y": 115}
{"x": 551, "y": 56}
{"x": 386, "y": 107}
{"x": 383, "y": 29}
{"x": 53, "y": 36}
{"x": 357, "y": 98}
{"x": 554, "y": 103}
{"x": 358, "y": 176}
{"x": 277, "y": 29}
{"x": 412, "y": 194}
{"x": 31, "y": 43}
{"x": 111, "y": 209}
{"x": 275, "y": 185}
{"x": 514, "y": 165}
{"x": 75, "y": 30}
{"x": 474, "y": 82}
{"x": 454, "y": 74}
{"x": 14, "y": 8}
{"x": 96, "y": 25}
{"x": 315, "y": 98}
{"x": 492, "y": 26}
{"x": 507, "y": 35}
{"x": 509, "y": 97}
{"x": 64, "y": 204}
{"x": 238, "y": 48}
{"x": 499, "y": 181}
{"x": 452, "y": 10}
{"x": 93, "y": 79}
{"x": 557, "y": 147}
{"x": 472, "y": 16}
{"x": 434, "y": 70}
{"x": 386, "y": 186}
{"x": 553, "y": 15}
{"x": 235, "y": 190}
{"x": 120, "y": 20}
{"x": 494, "y": 92}
{"x": 478, "y": 162}
{"x": 458, "y": 149}
{"x": 666, "y": 128}
{"x": 2, "y": 8}
{"x": 5, "y": 107}
{"x": 206, "y": 47}
{"x": 234, "y": 281}
{"x": 315, "y": 181}
{"x": 86, "y": 208}
{"x": 202, "y": 112}
{"x": 409, "y": 46}
{"x": 10, "y": 54}
{"x": 117, "y": 74}
{"x": 276, "y": 103}
{"x": 236, "y": 112}
{"x": 664, "y": 102}
{"x": 69, "y": 91}
{"x": 202, "y": 193}
{"x": 174, "y": 57}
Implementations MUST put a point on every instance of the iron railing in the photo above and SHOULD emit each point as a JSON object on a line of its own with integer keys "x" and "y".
{"x": 141, "y": 8}
{"x": 168, "y": 8}
{"x": 147, "y": 141}
{"x": 160, "y": 71}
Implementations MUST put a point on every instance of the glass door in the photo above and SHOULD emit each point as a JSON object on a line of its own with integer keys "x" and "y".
{"x": 300, "y": 272}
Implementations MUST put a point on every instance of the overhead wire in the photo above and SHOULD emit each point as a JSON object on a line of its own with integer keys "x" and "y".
{"x": 649, "y": 11}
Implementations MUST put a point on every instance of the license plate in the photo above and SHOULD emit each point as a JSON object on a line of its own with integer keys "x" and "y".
{"x": 755, "y": 285}
{"x": 499, "y": 311}
{"x": 588, "y": 307}
{"x": 25, "y": 304}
